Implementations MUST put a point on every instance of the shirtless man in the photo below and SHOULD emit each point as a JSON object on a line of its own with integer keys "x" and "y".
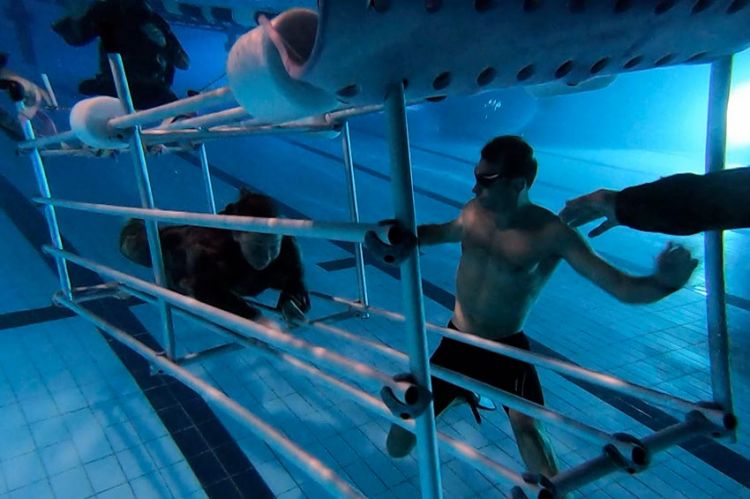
{"x": 510, "y": 247}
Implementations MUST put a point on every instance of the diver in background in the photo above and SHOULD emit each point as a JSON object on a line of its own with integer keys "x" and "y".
{"x": 681, "y": 204}
{"x": 149, "y": 49}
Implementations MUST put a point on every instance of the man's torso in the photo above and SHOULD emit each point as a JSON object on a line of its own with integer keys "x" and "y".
{"x": 502, "y": 269}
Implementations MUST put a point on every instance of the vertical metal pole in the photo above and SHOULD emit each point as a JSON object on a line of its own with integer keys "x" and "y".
{"x": 147, "y": 200}
{"x": 346, "y": 144}
{"x": 205, "y": 168}
{"x": 50, "y": 90}
{"x": 411, "y": 279}
{"x": 49, "y": 210}
{"x": 718, "y": 336}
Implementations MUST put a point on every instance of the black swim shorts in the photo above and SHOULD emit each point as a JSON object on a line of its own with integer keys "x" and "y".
{"x": 500, "y": 371}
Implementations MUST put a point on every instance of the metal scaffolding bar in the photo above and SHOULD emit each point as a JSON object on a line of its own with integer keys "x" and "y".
{"x": 46, "y": 141}
{"x": 183, "y": 106}
{"x": 459, "y": 449}
{"x": 208, "y": 120}
{"x": 206, "y": 170}
{"x": 159, "y": 136}
{"x": 49, "y": 211}
{"x": 340, "y": 364}
{"x": 50, "y": 91}
{"x": 631, "y": 450}
{"x": 308, "y": 463}
{"x": 337, "y": 231}
{"x": 591, "y": 470}
{"x": 147, "y": 200}
{"x": 716, "y": 416}
{"x": 351, "y": 190}
{"x": 411, "y": 285}
{"x": 716, "y": 305}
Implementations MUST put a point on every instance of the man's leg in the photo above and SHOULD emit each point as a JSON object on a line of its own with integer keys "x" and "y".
{"x": 533, "y": 444}
{"x": 400, "y": 442}
{"x": 448, "y": 354}
{"x": 520, "y": 378}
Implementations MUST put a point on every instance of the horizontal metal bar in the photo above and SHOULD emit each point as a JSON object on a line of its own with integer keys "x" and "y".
{"x": 350, "y": 112}
{"x": 308, "y": 463}
{"x": 632, "y": 451}
{"x": 194, "y": 357}
{"x": 694, "y": 425}
{"x": 100, "y": 291}
{"x": 717, "y": 416}
{"x": 337, "y": 231}
{"x": 343, "y": 114}
{"x": 365, "y": 400}
{"x": 183, "y": 106}
{"x": 48, "y": 140}
{"x": 77, "y": 152}
{"x": 207, "y": 120}
{"x": 158, "y": 136}
{"x": 338, "y": 363}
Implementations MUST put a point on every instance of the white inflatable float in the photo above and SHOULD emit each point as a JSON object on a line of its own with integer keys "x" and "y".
{"x": 304, "y": 62}
{"x": 89, "y": 122}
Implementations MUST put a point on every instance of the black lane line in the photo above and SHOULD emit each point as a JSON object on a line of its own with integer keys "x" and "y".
{"x": 220, "y": 465}
{"x": 10, "y": 320}
{"x": 721, "y": 458}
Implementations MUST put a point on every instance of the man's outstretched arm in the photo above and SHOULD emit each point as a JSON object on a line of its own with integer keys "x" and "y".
{"x": 674, "y": 266}
{"x": 449, "y": 232}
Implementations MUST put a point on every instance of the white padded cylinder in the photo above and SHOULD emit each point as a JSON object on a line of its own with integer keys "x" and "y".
{"x": 89, "y": 118}
{"x": 262, "y": 63}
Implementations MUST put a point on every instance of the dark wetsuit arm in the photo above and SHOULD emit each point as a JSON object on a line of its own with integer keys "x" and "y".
{"x": 217, "y": 294}
{"x": 290, "y": 278}
{"x": 82, "y": 30}
{"x": 176, "y": 54}
{"x": 687, "y": 203}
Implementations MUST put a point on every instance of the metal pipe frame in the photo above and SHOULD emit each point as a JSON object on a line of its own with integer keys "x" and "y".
{"x": 365, "y": 400}
{"x": 337, "y": 231}
{"x": 50, "y": 214}
{"x": 208, "y": 120}
{"x": 411, "y": 286}
{"x": 351, "y": 190}
{"x": 147, "y": 200}
{"x": 155, "y": 136}
{"x": 195, "y": 357}
{"x": 631, "y": 450}
{"x": 77, "y": 152}
{"x": 695, "y": 424}
{"x": 50, "y": 91}
{"x": 183, "y": 106}
{"x": 277, "y": 338}
{"x": 159, "y": 136}
{"x": 634, "y": 454}
{"x": 308, "y": 463}
{"x": 719, "y": 417}
{"x": 31, "y": 143}
{"x": 716, "y": 303}
{"x": 206, "y": 170}
{"x": 96, "y": 292}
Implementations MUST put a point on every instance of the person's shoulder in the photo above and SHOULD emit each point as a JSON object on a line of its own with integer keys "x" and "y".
{"x": 538, "y": 217}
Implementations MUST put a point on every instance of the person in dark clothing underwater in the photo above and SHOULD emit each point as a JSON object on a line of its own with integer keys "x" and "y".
{"x": 220, "y": 267}
{"x": 149, "y": 49}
